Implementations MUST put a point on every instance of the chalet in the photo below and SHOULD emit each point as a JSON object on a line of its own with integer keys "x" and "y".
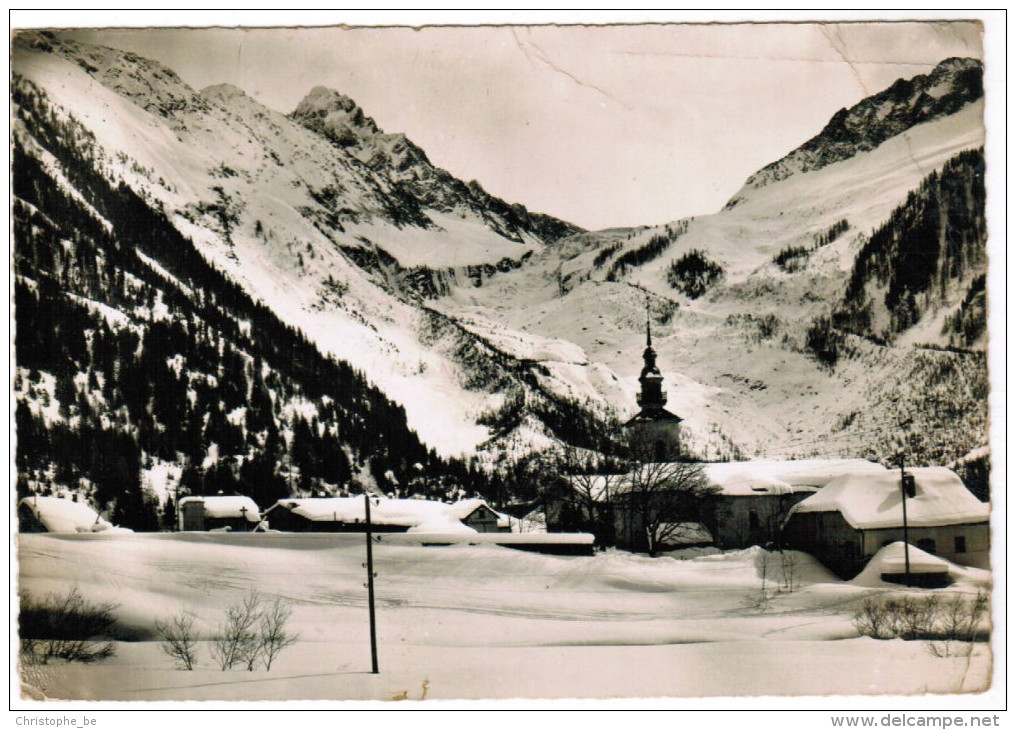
{"x": 476, "y": 514}
{"x": 755, "y": 497}
{"x": 227, "y": 513}
{"x": 855, "y": 515}
{"x": 347, "y": 514}
{"x": 56, "y": 514}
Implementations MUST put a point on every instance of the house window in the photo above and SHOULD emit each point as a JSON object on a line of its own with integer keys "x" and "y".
{"x": 752, "y": 520}
{"x": 959, "y": 544}
{"x": 660, "y": 450}
{"x": 927, "y": 545}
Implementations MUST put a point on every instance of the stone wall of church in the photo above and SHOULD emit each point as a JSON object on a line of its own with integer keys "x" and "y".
{"x": 656, "y": 440}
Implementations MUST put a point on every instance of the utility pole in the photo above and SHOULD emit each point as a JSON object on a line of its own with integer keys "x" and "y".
{"x": 370, "y": 585}
{"x": 906, "y": 535}
{"x": 904, "y": 425}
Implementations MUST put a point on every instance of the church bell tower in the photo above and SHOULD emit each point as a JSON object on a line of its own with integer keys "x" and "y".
{"x": 655, "y": 432}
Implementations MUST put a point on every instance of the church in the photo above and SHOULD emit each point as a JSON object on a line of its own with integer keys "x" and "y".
{"x": 654, "y": 432}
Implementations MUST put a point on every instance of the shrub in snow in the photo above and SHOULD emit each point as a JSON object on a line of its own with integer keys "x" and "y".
{"x": 177, "y": 636}
{"x": 940, "y": 622}
{"x": 65, "y": 627}
{"x": 252, "y": 632}
{"x": 960, "y": 622}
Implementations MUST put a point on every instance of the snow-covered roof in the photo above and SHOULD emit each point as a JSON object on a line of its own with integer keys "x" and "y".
{"x": 891, "y": 560}
{"x": 873, "y": 500}
{"x": 766, "y": 476}
{"x": 222, "y": 507}
{"x": 748, "y": 478}
{"x": 419, "y": 515}
{"x": 64, "y": 515}
{"x": 465, "y": 507}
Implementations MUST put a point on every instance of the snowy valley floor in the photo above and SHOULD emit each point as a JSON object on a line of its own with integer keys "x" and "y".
{"x": 479, "y": 622}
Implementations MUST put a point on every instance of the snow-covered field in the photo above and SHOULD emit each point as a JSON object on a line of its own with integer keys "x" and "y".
{"x": 472, "y": 622}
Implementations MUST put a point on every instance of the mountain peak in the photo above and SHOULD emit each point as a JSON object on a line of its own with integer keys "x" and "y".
{"x": 342, "y": 122}
{"x": 336, "y": 117}
{"x": 950, "y": 86}
{"x": 145, "y": 82}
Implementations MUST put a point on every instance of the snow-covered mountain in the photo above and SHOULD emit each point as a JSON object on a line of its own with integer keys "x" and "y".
{"x": 414, "y": 178}
{"x": 331, "y": 244}
{"x": 754, "y": 313}
{"x": 506, "y": 331}
{"x": 952, "y": 85}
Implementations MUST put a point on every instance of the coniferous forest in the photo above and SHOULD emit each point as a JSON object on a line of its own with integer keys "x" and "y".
{"x": 928, "y": 244}
{"x": 132, "y": 350}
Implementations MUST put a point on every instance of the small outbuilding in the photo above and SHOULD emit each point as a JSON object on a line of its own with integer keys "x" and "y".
{"x": 57, "y": 514}
{"x": 347, "y": 514}
{"x": 856, "y": 515}
{"x": 226, "y": 513}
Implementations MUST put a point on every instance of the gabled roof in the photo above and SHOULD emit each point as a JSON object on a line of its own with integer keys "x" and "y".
{"x": 751, "y": 478}
{"x": 419, "y": 515}
{"x": 768, "y": 476}
{"x": 224, "y": 507}
{"x": 57, "y": 514}
{"x": 872, "y": 500}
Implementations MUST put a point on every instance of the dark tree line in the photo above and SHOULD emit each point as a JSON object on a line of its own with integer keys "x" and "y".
{"x": 935, "y": 237}
{"x": 645, "y": 253}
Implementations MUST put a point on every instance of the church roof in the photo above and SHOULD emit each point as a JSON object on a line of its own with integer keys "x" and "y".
{"x": 650, "y": 415}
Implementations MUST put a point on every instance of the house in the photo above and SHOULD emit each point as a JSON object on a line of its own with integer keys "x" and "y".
{"x": 476, "y": 514}
{"x": 347, "y": 514}
{"x": 755, "y": 497}
{"x": 744, "y": 503}
{"x": 56, "y": 514}
{"x": 227, "y": 513}
{"x": 855, "y": 515}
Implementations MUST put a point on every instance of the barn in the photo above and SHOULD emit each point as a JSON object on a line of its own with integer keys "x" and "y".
{"x": 346, "y": 514}
{"x": 231, "y": 513}
{"x": 56, "y": 514}
{"x": 855, "y": 515}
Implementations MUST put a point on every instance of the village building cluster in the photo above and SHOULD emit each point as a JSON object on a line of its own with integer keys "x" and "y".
{"x": 842, "y": 511}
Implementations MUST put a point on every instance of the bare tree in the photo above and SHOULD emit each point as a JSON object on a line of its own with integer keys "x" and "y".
{"x": 273, "y": 636}
{"x": 590, "y": 498}
{"x": 178, "y": 641}
{"x": 759, "y": 600}
{"x": 788, "y": 564}
{"x": 658, "y": 496}
{"x": 237, "y": 639}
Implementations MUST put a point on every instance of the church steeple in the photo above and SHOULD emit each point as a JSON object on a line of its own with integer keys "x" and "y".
{"x": 649, "y": 334}
{"x": 653, "y": 427}
{"x": 651, "y": 397}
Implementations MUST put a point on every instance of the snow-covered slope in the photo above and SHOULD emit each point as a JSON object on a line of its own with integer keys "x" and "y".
{"x": 480, "y": 622}
{"x": 737, "y": 361}
{"x": 485, "y": 323}
{"x": 307, "y": 228}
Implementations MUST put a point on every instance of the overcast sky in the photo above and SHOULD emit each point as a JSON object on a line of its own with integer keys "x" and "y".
{"x": 601, "y": 126}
